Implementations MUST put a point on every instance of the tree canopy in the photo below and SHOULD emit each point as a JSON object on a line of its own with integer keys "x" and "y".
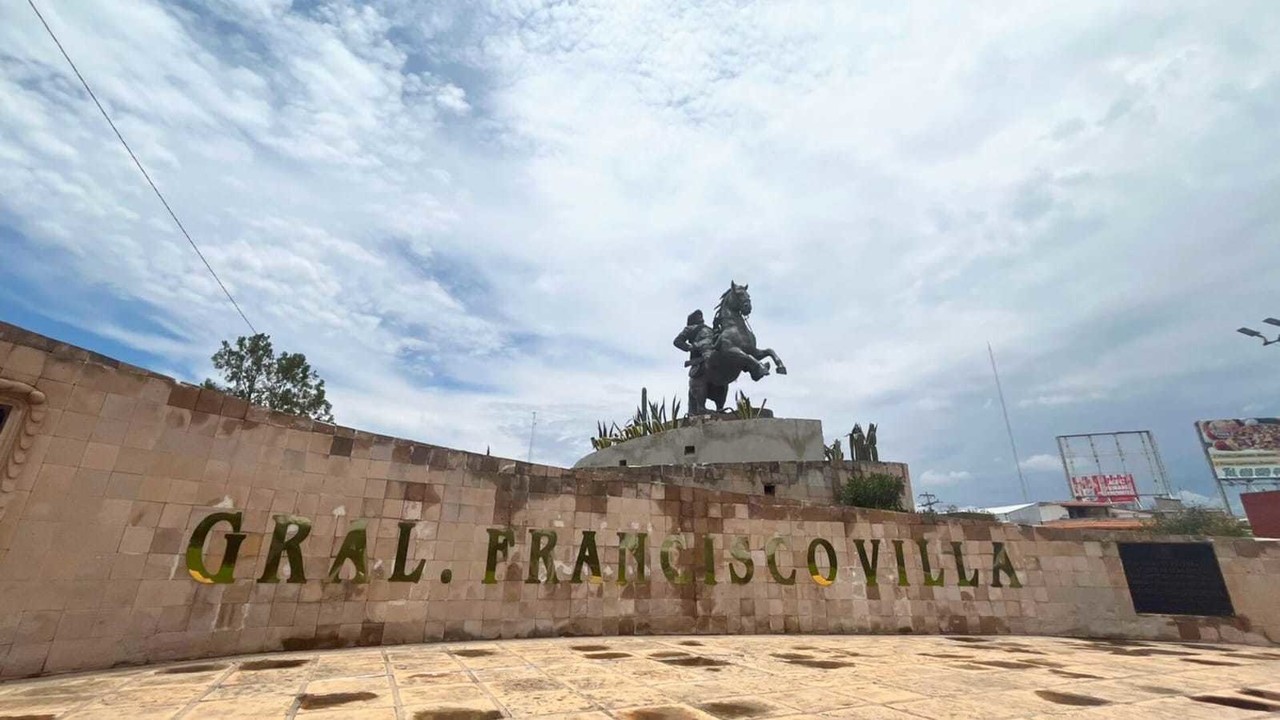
{"x": 252, "y": 371}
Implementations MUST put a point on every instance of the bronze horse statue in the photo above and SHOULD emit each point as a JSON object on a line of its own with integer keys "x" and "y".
{"x": 733, "y": 351}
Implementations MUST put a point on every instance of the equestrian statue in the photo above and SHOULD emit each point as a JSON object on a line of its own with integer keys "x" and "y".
{"x": 717, "y": 355}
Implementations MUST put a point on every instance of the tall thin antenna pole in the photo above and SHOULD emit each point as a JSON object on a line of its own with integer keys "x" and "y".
{"x": 532, "y": 426}
{"x": 1026, "y": 497}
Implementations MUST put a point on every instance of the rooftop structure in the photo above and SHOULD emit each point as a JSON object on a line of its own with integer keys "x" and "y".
{"x": 1071, "y": 513}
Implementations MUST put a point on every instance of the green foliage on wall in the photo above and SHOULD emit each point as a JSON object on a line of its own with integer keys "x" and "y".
{"x": 878, "y": 491}
{"x": 1198, "y": 521}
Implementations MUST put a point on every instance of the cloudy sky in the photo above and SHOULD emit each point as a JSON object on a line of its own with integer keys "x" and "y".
{"x": 464, "y": 212}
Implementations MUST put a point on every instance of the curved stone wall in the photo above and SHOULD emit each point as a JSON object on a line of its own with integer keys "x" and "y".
{"x": 151, "y": 520}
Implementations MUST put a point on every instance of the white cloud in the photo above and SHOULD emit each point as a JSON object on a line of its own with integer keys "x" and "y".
{"x": 934, "y": 478}
{"x": 463, "y": 213}
{"x": 1060, "y": 399}
{"x": 1042, "y": 463}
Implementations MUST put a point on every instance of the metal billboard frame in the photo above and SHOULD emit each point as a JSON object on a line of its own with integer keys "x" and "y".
{"x": 1150, "y": 451}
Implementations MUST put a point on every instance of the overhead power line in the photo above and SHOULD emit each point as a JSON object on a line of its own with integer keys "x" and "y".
{"x": 141, "y": 169}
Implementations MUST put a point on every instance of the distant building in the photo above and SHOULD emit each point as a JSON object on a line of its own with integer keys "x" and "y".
{"x": 1072, "y": 513}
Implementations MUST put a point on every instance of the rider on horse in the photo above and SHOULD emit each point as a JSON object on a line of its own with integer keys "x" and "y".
{"x": 696, "y": 339}
{"x": 729, "y": 350}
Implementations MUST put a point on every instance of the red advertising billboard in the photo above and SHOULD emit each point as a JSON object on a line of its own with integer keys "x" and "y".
{"x": 1105, "y": 488}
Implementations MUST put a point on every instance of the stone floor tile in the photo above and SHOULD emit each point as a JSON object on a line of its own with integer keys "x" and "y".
{"x": 664, "y": 712}
{"x": 240, "y": 709}
{"x": 185, "y": 678}
{"x": 42, "y": 706}
{"x": 353, "y": 713}
{"x": 480, "y": 709}
{"x": 623, "y": 696}
{"x": 98, "y": 711}
{"x": 1030, "y": 703}
{"x": 927, "y": 687}
{"x": 348, "y": 671}
{"x": 1184, "y": 709}
{"x": 816, "y": 699}
{"x": 880, "y": 694}
{"x": 510, "y": 675}
{"x": 586, "y": 682}
{"x": 870, "y": 712}
{"x": 441, "y": 694}
{"x": 347, "y": 693}
{"x": 378, "y": 684}
{"x": 550, "y": 702}
{"x": 54, "y": 686}
{"x": 698, "y": 692}
{"x": 235, "y": 692}
{"x": 167, "y": 695}
{"x": 959, "y": 708}
{"x": 292, "y": 676}
{"x": 412, "y": 679}
{"x": 434, "y": 662}
{"x": 745, "y": 706}
{"x": 486, "y": 657}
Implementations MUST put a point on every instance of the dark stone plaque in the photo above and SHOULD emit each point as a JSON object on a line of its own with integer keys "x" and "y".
{"x": 1175, "y": 579}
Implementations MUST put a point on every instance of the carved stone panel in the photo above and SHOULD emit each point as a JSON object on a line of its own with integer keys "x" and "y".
{"x": 26, "y": 409}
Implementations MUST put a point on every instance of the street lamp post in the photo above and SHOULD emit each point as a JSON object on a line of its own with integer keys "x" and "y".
{"x": 1254, "y": 333}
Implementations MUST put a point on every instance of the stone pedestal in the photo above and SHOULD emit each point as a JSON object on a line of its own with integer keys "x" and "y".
{"x": 714, "y": 440}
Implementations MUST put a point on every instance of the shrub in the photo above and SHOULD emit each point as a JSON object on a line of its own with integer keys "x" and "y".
{"x": 877, "y": 490}
{"x": 1197, "y": 521}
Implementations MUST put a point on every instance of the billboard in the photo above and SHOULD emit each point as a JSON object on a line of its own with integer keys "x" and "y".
{"x": 1105, "y": 488}
{"x": 1242, "y": 450}
{"x": 1122, "y": 466}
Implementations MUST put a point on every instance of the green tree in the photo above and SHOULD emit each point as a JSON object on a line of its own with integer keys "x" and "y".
{"x": 879, "y": 491}
{"x": 1202, "y": 522}
{"x": 253, "y": 371}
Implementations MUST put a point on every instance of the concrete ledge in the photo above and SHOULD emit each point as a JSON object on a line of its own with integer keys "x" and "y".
{"x": 718, "y": 442}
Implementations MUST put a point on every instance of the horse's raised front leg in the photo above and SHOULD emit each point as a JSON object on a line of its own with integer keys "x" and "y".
{"x": 752, "y": 365}
{"x": 768, "y": 352}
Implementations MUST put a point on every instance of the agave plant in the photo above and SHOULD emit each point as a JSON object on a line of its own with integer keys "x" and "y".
{"x": 744, "y": 410}
{"x": 834, "y": 452}
{"x": 650, "y": 418}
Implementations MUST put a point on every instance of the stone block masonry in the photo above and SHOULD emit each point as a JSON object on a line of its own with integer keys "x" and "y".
{"x": 144, "y": 520}
{"x": 707, "y": 441}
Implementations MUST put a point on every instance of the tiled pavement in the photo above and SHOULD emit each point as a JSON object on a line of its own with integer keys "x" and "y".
{"x": 732, "y": 678}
